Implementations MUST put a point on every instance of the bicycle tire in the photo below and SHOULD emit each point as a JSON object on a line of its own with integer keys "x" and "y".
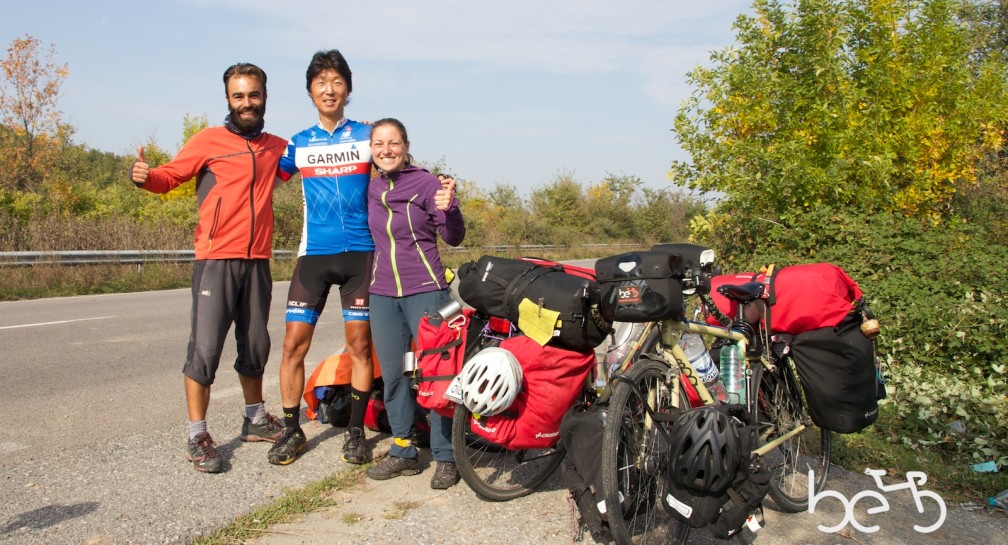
{"x": 494, "y": 472}
{"x": 781, "y": 407}
{"x": 634, "y": 458}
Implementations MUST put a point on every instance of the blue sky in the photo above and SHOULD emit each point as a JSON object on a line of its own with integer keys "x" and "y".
{"x": 504, "y": 92}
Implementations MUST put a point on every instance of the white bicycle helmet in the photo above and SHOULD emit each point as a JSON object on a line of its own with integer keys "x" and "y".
{"x": 490, "y": 381}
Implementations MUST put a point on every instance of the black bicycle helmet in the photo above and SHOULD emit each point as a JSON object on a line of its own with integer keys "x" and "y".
{"x": 705, "y": 450}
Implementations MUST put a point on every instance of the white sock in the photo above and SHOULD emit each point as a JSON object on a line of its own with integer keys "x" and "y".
{"x": 196, "y": 428}
{"x": 256, "y": 412}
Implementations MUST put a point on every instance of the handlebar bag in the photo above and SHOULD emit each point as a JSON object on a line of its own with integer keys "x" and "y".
{"x": 640, "y": 286}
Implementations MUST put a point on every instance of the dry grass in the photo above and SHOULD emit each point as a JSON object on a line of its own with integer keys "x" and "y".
{"x": 58, "y": 233}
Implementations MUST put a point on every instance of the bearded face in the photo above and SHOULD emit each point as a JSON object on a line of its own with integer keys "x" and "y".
{"x": 246, "y": 102}
{"x": 247, "y": 118}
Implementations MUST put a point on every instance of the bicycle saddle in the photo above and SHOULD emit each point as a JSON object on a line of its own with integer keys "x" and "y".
{"x": 742, "y": 293}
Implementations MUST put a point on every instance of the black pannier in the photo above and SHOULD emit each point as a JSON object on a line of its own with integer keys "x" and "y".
{"x": 581, "y": 436}
{"x": 640, "y": 286}
{"x": 496, "y": 286}
{"x": 836, "y": 366}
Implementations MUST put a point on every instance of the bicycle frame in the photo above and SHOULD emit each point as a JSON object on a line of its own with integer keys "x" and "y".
{"x": 672, "y": 352}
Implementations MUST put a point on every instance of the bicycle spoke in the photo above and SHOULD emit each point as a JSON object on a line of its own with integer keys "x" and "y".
{"x": 634, "y": 458}
{"x": 780, "y": 409}
{"x": 494, "y": 472}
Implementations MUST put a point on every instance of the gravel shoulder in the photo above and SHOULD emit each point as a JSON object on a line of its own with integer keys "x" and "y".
{"x": 406, "y": 510}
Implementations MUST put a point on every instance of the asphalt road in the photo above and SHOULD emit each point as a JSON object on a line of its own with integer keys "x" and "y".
{"x": 92, "y": 397}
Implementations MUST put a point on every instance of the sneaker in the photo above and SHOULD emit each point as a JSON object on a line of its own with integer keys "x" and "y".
{"x": 269, "y": 430}
{"x": 355, "y": 447}
{"x": 393, "y": 466}
{"x": 292, "y": 441}
{"x": 202, "y": 452}
{"x": 445, "y": 476}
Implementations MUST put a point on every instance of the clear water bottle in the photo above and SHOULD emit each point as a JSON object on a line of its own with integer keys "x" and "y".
{"x": 601, "y": 377}
{"x": 999, "y": 501}
{"x": 732, "y": 371}
{"x": 624, "y": 337}
{"x": 695, "y": 349}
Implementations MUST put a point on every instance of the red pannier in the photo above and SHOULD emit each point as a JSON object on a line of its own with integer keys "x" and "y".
{"x": 801, "y": 297}
{"x": 440, "y": 351}
{"x": 552, "y": 379}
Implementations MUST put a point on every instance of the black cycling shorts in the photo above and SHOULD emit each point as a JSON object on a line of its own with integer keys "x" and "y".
{"x": 225, "y": 292}
{"x": 315, "y": 274}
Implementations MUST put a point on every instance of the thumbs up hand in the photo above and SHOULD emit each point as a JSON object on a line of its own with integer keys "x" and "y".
{"x": 443, "y": 197}
{"x": 140, "y": 168}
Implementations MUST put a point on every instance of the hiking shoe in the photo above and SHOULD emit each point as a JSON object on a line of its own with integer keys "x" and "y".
{"x": 355, "y": 447}
{"x": 445, "y": 476}
{"x": 393, "y": 466}
{"x": 202, "y": 452}
{"x": 269, "y": 430}
{"x": 292, "y": 441}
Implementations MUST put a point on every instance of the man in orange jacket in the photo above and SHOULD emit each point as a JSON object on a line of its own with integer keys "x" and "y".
{"x": 235, "y": 166}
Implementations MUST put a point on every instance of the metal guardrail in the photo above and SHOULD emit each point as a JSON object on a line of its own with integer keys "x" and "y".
{"x": 92, "y": 257}
{"x": 139, "y": 257}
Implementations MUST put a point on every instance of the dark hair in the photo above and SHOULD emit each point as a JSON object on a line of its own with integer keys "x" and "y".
{"x": 245, "y": 69}
{"x": 395, "y": 123}
{"x": 328, "y": 60}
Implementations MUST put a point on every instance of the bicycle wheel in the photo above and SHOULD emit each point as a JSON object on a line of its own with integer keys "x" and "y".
{"x": 635, "y": 456}
{"x": 493, "y": 472}
{"x": 781, "y": 408}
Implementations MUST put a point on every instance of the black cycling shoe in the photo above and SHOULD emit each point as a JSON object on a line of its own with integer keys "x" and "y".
{"x": 292, "y": 441}
{"x": 445, "y": 476}
{"x": 393, "y": 466}
{"x": 355, "y": 447}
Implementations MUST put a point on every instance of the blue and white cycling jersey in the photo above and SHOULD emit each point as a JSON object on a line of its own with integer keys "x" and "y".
{"x": 335, "y": 170}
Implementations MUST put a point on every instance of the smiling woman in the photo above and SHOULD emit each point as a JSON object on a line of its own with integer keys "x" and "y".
{"x": 408, "y": 209}
{"x": 389, "y": 146}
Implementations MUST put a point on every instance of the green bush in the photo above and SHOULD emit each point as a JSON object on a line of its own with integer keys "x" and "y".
{"x": 926, "y": 402}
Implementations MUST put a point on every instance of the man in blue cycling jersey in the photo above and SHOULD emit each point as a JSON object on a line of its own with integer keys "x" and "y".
{"x": 334, "y": 159}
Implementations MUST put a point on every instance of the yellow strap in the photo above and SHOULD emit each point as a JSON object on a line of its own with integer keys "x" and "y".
{"x": 404, "y": 443}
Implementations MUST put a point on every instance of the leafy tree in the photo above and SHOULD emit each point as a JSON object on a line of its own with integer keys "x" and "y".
{"x": 559, "y": 214}
{"x": 664, "y": 215}
{"x": 988, "y": 22}
{"x": 875, "y": 104}
{"x": 608, "y": 207}
{"x": 30, "y": 129}
{"x": 505, "y": 196}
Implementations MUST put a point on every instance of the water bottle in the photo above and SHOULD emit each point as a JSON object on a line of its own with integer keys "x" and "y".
{"x": 1000, "y": 501}
{"x": 625, "y": 335}
{"x": 601, "y": 376}
{"x": 732, "y": 373}
{"x": 693, "y": 345}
